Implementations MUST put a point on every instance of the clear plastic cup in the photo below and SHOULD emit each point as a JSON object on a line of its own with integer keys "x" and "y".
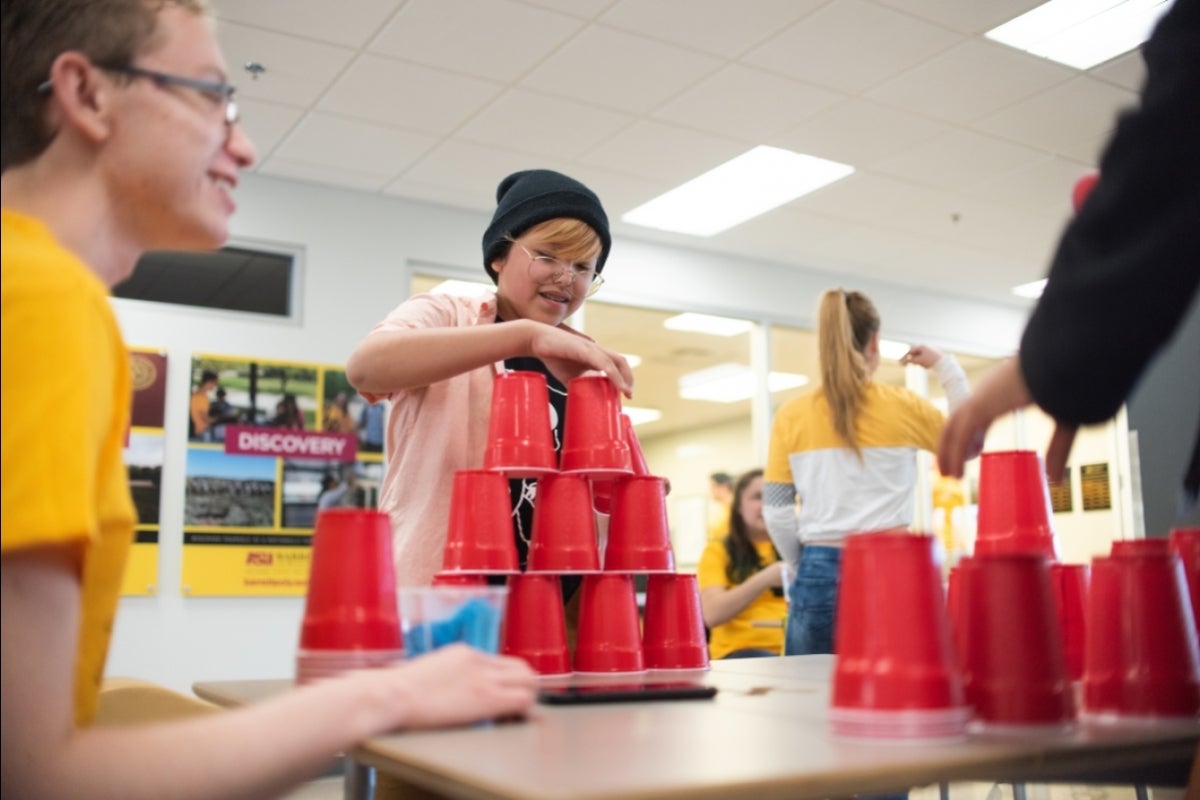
{"x": 435, "y": 616}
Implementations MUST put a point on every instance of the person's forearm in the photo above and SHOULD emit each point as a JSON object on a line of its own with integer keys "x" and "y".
{"x": 721, "y": 604}
{"x": 253, "y": 753}
{"x": 389, "y": 361}
{"x": 953, "y": 380}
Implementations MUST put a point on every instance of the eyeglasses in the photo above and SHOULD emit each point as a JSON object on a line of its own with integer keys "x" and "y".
{"x": 543, "y": 268}
{"x": 218, "y": 93}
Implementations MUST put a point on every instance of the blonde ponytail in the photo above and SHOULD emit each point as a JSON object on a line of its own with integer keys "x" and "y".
{"x": 846, "y": 321}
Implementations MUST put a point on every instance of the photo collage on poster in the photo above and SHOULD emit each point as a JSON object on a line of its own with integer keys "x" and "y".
{"x": 144, "y": 460}
{"x": 270, "y": 443}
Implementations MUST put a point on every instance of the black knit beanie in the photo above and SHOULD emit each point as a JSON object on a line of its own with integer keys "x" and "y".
{"x": 527, "y": 198}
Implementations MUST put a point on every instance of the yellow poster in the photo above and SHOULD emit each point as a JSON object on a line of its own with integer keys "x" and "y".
{"x": 270, "y": 443}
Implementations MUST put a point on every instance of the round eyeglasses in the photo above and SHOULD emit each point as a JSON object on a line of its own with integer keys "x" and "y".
{"x": 545, "y": 268}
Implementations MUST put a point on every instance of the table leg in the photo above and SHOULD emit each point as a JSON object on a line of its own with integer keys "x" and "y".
{"x": 358, "y": 781}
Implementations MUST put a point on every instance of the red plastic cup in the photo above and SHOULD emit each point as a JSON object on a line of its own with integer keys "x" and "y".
{"x": 895, "y": 674}
{"x": 480, "y": 537}
{"x": 458, "y": 579}
{"x": 602, "y": 489}
{"x": 1143, "y": 659}
{"x": 637, "y": 458}
{"x": 1185, "y": 543}
{"x": 1102, "y": 659}
{"x": 593, "y": 442}
{"x": 673, "y": 637}
{"x": 520, "y": 436}
{"x": 534, "y": 625}
{"x": 1070, "y": 585}
{"x": 639, "y": 538}
{"x": 1014, "y": 671}
{"x": 956, "y": 605}
{"x": 1014, "y": 505}
{"x": 564, "y": 528}
{"x": 350, "y": 617}
{"x": 609, "y": 638}
{"x": 351, "y": 602}
{"x": 1133, "y": 547}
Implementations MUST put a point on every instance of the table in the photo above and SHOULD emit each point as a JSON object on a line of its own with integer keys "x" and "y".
{"x": 765, "y": 735}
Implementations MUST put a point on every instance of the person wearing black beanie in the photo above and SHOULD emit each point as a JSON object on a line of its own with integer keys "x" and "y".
{"x": 434, "y": 357}
{"x": 527, "y": 198}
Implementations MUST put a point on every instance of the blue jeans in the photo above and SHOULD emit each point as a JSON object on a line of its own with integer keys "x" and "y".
{"x": 813, "y": 606}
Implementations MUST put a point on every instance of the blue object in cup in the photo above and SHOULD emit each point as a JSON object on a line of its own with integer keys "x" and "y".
{"x": 475, "y": 622}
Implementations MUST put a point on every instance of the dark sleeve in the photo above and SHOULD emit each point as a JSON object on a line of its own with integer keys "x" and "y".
{"x": 1128, "y": 266}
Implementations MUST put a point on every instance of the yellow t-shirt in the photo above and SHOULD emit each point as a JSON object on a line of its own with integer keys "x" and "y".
{"x": 739, "y": 633}
{"x": 66, "y": 405}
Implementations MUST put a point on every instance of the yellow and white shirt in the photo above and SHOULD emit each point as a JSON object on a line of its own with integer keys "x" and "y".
{"x": 840, "y": 493}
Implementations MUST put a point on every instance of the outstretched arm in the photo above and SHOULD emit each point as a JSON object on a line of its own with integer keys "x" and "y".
{"x": 256, "y": 752}
{"x": 388, "y": 361}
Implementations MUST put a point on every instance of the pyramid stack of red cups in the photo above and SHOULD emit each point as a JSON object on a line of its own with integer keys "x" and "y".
{"x": 1041, "y": 642}
{"x": 602, "y": 470}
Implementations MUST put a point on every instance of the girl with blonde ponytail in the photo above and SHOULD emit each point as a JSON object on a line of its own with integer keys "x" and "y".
{"x": 846, "y": 453}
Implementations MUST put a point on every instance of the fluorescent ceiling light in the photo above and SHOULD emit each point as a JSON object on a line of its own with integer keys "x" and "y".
{"x": 1032, "y": 289}
{"x": 706, "y": 323}
{"x": 462, "y": 288}
{"x": 751, "y": 184}
{"x": 640, "y": 416}
{"x": 1081, "y": 33}
{"x": 729, "y": 383}
{"x": 633, "y": 360}
{"x": 892, "y": 350}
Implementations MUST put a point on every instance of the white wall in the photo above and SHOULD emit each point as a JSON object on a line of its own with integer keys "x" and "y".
{"x": 359, "y": 251}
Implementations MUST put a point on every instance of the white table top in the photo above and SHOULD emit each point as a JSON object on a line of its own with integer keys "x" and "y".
{"x": 765, "y": 735}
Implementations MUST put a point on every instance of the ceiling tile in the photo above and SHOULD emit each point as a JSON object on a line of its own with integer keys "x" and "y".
{"x": 1043, "y": 186}
{"x": 267, "y": 123}
{"x": 469, "y": 170}
{"x": 663, "y": 152}
{"x": 297, "y": 72}
{"x": 965, "y": 17}
{"x": 542, "y": 125}
{"x": 1066, "y": 119}
{"x": 618, "y": 70}
{"x": 851, "y": 45}
{"x": 411, "y": 96}
{"x": 353, "y": 25}
{"x": 947, "y": 86}
{"x": 321, "y": 139}
{"x": 1127, "y": 71}
{"x": 713, "y": 26}
{"x": 495, "y": 39}
{"x": 850, "y": 133}
{"x": 957, "y": 159}
{"x": 745, "y": 103}
{"x": 320, "y": 174}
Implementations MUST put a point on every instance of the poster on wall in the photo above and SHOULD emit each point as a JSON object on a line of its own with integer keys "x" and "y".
{"x": 1094, "y": 486}
{"x": 270, "y": 443}
{"x": 1060, "y": 493}
{"x": 144, "y": 462}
